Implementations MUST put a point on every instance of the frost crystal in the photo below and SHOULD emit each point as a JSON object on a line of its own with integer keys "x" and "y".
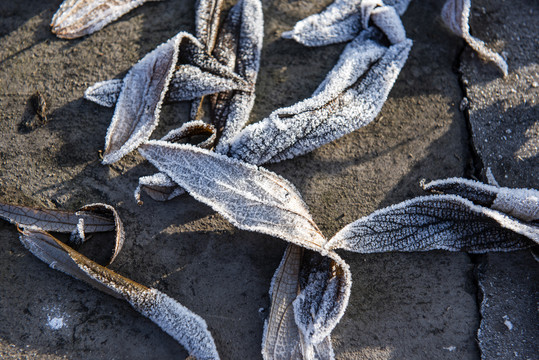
{"x": 76, "y": 18}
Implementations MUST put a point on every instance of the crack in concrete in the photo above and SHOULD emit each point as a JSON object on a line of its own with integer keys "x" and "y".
{"x": 473, "y": 170}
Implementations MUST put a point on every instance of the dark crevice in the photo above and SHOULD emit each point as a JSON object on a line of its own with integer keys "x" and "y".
{"x": 473, "y": 170}
{"x": 474, "y": 163}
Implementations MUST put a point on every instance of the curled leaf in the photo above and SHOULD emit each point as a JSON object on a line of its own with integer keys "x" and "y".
{"x": 249, "y": 197}
{"x": 139, "y": 103}
{"x": 88, "y": 219}
{"x": 456, "y": 15}
{"x": 343, "y": 20}
{"x": 55, "y": 220}
{"x": 106, "y": 211}
{"x": 350, "y": 97}
{"x": 188, "y": 82}
{"x": 323, "y": 297}
{"x": 161, "y": 187}
{"x": 76, "y": 18}
{"x": 309, "y": 295}
{"x": 183, "y": 325}
{"x": 522, "y": 204}
{"x": 445, "y": 222}
{"x": 232, "y": 109}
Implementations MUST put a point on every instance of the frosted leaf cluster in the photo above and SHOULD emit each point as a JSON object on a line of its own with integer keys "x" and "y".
{"x": 76, "y": 18}
{"x": 311, "y": 287}
{"x": 255, "y": 199}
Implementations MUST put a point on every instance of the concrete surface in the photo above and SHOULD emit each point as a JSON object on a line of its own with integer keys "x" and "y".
{"x": 503, "y": 115}
{"x": 403, "y": 306}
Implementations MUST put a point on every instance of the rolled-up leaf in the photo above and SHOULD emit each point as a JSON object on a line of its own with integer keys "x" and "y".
{"x": 456, "y": 15}
{"x": 522, "y": 204}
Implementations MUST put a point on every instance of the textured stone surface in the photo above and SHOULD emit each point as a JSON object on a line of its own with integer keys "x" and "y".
{"x": 409, "y": 306}
{"x": 504, "y": 115}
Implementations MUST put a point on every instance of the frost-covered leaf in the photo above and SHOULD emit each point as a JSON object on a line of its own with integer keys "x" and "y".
{"x": 188, "y": 82}
{"x": 207, "y": 17}
{"x": 308, "y": 297}
{"x": 281, "y": 334}
{"x": 108, "y": 212}
{"x": 522, "y": 204}
{"x": 183, "y": 325}
{"x": 251, "y": 198}
{"x": 208, "y": 14}
{"x": 76, "y": 18}
{"x": 137, "y": 110}
{"x": 105, "y": 93}
{"x": 160, "y": 186}
{"x": 350, "y": 97}
{"x": 54, "y": 220}
{"x": 88, "y": 219}
{"x": 456, "y": 15}
{"x": 445, "y": 222}
{"x": 343, "y": 20}
{"x": 244, "y": 28}
{"x": 323, "y": 297}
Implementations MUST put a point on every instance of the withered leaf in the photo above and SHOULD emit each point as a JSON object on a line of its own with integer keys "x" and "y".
{"x": 244, "y": 29}
{"x": 350, "y": 97}
{"x": 137, "y": 110}
{"x": 76, "y": 18}
{"x": 456, "y": 15}
{"x": 249, "y": 197}
{"x": 445, "y": 222}
{"x": 88, "y": 219}
{"x": 343, "y": 20}
{"x": 160, "y": 186}
{"x": 183, "y": 325}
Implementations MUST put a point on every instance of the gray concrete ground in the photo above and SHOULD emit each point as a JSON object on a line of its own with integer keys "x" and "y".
{"x": 403, "y": 306}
